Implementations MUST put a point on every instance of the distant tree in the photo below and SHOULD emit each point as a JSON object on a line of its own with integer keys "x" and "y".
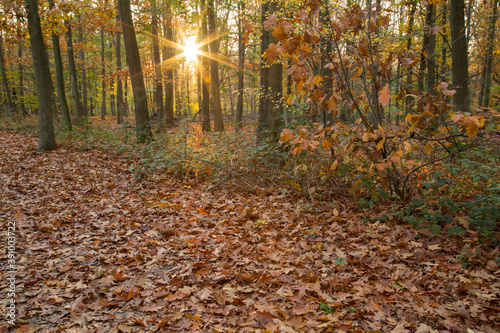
{"x": 61, "y": 93}
{"x": 5, "y": 82}
{"x": 205, "y": 78}
{"x": 73, "y": 75}
{"x": 169, "y": 53}
{"x": 46, "y": 137}
{"x": 241, "y": 65}
{"x": 143, "y": 127}
{"x": 158, "y": 96}
{"x": 484, "y": 96}
{"x": 120, "y": 105}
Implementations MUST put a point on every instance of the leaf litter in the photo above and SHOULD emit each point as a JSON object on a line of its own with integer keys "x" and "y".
{"x": 100, "y": 251}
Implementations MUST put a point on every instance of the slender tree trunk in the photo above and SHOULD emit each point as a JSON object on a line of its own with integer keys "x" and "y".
{"x": 22, "y": 106}
{"x": 73, "y": 75}
{"x": 157, "y": 65}
{"x": 427, "y": 59}
{"x": 431, "y": 47}
{"x": 326, "y": 72}
{"x": 214, "y": 68}
{"x": 169, "y": 53}
{"x": 85, "y": 107}
{"x": 460, "y": 74}
{"x": 484, "y": 99}
{"x": 188, "y": 107}
{"x": 5, "y": 82}
{"x": 205, "y": 110}
{"x": 120, "y": 106}
{"x": 409, "y": 78}
{"x": 103, "y": 77}
{"x": 46, "y": 137}
{"x": 444, "y": 61}
{"x": 61, "y": 93}
{"x": 241, "y": 67}
{"x": 134, "y": 63}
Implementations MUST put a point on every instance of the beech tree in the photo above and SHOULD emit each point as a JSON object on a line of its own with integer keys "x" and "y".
{"x": 46, "y": 137}
{"x": 143, "y": 127}
{"x": 61, "y": 92}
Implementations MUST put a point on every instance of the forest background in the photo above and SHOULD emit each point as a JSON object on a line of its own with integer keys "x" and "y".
{"x": 385, "y": 108}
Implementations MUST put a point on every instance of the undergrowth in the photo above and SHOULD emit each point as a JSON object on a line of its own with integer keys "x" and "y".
{"x": 451, "y": 196}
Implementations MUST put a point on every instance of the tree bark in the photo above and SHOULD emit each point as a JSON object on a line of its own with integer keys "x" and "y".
{"x": 427, "y": 60}
{"x": 326, "y": 72}
{"x": 214, "y": 68}
{"x": 205, "y": 109}
{"x": 46, "y": 137}
{"x": 85, "y": 108}
{"x": 241, "y": 67}
{"x": 22, "y": 105}
{"x": 103, "y": 77}
{"x": 484, "y": 99}
{"x": 169, "y": 53}
{"x": 120, "y": 106}
{"x": 61, "y": 93}
{"x": 409, "y": 78}
{"x": 143, "y": 127}
{"x": 460, "y": 74}
{"x": 157, "y": 65}
{"x": 271, "y": 85}
{"x": 10, "y": 103}
{"x": 73, "y": 75}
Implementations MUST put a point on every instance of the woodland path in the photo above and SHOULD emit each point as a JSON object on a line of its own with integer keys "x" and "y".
{"x": 101, "y": 251}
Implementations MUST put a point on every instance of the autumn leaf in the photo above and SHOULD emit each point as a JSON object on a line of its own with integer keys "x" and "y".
{"x": 385, "y": 95}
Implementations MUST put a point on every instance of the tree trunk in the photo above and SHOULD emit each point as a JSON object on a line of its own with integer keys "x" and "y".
{"x": 460, "y": 74}
{"x": 271, "y": 86}
{"x": 143, "y": 128}
{"x": 73, "y": 75}
{"x": 326, "y": 72}
{"x": 241, "y": 67}
{"x": 10, "y": 104}
{"x": 46, "y": 137}
{"x": 484, "y": 99}
{"x": 22, "y": 106}
{"x": 169, "y": 52}
{"x": 103, "y": 77}
{"x": 158, "y": 97}
{"x": 427, "y": 59}
{"x": 61, "y": 93}
{"x": 409, "y": 78}
{"x": 205, "y": 109}
{"x": 120, "y": 106}
{"x": 214, "y": 68}
{"x": 85, "y": 107}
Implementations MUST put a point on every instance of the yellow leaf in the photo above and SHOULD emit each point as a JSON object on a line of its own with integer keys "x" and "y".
{"x": 472, "y": 129}
{"x": 380, "y": 144}
{"x": 286, "y": 135}
{"x": 358, "y": 121}
{"x": 327, "y": 143}
{"x": 428, "y": 148}
{"x": 334, "y": 165}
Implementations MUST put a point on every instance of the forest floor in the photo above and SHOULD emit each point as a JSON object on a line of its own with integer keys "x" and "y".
{"x": 98, "y": 250}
